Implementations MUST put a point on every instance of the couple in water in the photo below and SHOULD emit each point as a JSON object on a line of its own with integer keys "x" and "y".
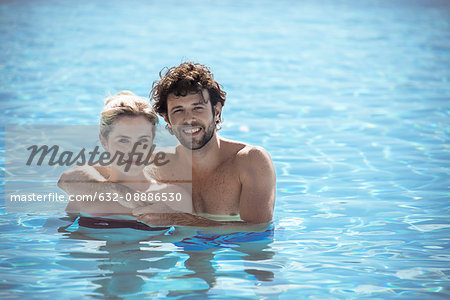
{"x": 207, "y": 174}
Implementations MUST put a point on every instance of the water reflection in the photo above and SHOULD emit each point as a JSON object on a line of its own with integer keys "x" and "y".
{"x": 207, "y": 251}
{"x": 134, "y": 261}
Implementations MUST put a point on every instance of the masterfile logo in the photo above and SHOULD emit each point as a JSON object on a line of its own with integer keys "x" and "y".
{"x": 36, "y": 156}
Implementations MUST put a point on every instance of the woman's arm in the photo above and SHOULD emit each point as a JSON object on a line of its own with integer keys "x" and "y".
{"x": 90, "y": 192}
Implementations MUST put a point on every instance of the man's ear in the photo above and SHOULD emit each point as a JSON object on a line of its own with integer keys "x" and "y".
{"x": 218, "y": 111}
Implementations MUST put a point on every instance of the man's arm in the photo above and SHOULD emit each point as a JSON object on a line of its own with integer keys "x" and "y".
{"x": 181, "y": 219}
{"x": 207, "y": 225}
{"x": 258, "y": 186}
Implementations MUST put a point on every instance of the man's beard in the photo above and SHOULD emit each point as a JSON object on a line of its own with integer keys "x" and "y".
{"x": 190, "y": 142}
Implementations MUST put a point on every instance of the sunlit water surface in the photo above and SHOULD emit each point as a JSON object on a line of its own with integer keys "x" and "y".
{"x": 350, "y": 98}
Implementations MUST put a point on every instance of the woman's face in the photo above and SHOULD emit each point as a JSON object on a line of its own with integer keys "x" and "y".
{"x": 126, "y": 132}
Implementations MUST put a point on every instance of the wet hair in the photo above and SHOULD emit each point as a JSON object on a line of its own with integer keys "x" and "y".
{"x": 125, "y": 103}
{"x": 187, "y": 78}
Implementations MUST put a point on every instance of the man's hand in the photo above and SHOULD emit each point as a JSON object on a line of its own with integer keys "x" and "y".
{"x": 180, "y": 219}
{"x": 155, "y": 208}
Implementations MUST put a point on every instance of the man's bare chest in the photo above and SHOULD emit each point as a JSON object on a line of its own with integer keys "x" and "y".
{"x": 216, "y": 192}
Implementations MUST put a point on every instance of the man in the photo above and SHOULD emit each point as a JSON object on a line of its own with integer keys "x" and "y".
{"x": 228, "y": 177}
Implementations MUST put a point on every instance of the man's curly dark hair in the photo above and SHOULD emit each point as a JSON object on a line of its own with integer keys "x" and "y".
{"x": 187, "y": 78}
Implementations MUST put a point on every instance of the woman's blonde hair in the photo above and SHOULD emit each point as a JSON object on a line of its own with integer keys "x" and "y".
{"x": 125, "y": 103}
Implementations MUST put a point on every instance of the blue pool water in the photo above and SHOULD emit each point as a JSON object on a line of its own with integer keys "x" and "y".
{"x": 350, "y": 98}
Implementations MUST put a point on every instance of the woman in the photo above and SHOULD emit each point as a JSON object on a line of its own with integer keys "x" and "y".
{"x": 128, "y": 125}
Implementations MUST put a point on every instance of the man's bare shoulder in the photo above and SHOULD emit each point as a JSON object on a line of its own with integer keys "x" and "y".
{"x": 246, "y": 155}
{"x": 254, "y": 156}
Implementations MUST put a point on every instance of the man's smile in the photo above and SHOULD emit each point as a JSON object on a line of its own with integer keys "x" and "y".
{"x": 192, "y": 131}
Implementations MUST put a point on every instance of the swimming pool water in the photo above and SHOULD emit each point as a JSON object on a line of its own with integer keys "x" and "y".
{"x": 350, "y": 98}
